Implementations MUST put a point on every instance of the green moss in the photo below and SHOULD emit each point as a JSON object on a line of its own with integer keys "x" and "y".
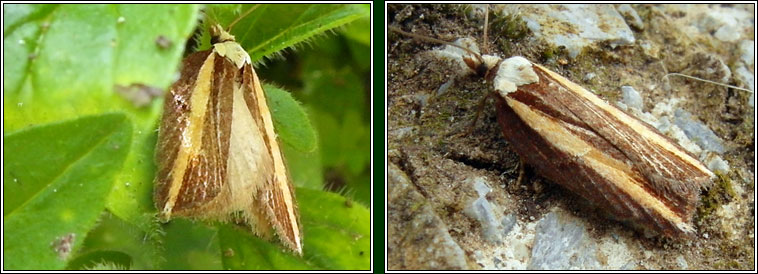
{"x": 508, "y": 26}
{"x": 548, "y": 53}
{"x": 745, "y": 131}
{"x": 734, "y": 251}
{"x": 721, "y": 193}
{"x": 415, "y": 206}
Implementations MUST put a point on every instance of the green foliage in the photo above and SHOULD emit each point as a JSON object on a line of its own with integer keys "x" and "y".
{"x": 269, "y": 29}
{"x": 334, "y": 237}
{"x": 332, "y": 81}
{"x": 289, "y": 118}
{"x": 55, "y": 182}
{"x": 64, "y": 62}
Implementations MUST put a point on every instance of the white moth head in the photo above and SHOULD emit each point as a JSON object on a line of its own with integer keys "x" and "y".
{"x": 225, "y": 45}
{"x": 514, "y": 72}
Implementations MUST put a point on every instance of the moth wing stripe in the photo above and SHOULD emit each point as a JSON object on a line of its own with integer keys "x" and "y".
{"x": 637, "y": 145}
{"x": 658, "y": 164}
{"x": 280, "y": 172}
{"x": 191, "y": 137}
{"x": 567, "y": 142}
{"x": 625, "y": 118}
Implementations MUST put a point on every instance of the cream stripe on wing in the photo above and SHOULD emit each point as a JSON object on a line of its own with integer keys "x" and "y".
{"x": 632, "y": 122}
{"x": 281, "y": 180}
{"x": 191, "y": 140}
{"x": 609, "y": 168}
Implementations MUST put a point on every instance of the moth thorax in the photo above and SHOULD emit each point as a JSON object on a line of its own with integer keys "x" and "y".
{"x": 219, "y": 35}
{"x": 512, "y": 73}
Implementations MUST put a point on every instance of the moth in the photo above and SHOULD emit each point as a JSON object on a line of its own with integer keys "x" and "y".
{"x": 217, "y": 153}
{"x": 577, "y": 140}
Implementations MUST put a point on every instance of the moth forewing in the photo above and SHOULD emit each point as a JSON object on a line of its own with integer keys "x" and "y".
{"x": 217, "y": 152}
{"x": 576, "y": 139}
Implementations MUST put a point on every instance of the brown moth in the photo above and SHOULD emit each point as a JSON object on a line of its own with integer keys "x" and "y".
{"x": 577, "y": 140}
{"x": 596, "y": 150}
{"x": 217, "y": 153}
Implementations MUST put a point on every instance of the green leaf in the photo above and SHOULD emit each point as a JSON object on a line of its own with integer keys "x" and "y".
{"x": 269, "y": 29}
{"x": 336, "y": 236}
{"x": 242, "y": 251}
{"x": 359, "y": 31}
{"x": 119, "y": 243}
{"x": 94, "y": 258}
{"x": 337, "y": 99}
{"x": 304, "y": 168}
{"x": 67, "y": 59}
{"x": 291, "y": 122}
{"x": 336, "y": 232}
{"x": 56, "y": 179}
{"x": 64, "y": 61}
{"x": 191, "y": 246}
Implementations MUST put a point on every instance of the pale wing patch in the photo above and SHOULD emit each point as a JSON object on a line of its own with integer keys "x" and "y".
{"x": 249, "y": 161}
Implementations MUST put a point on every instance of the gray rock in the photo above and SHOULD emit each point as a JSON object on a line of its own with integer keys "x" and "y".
{"x": 589, "y": 76}
{"x": 443, "y": 88}
{"x": 588, "y": 24}
{"x": 715, "y": 163}
{"x": 416, "y": 237}
{"x": 631, "y": 17}
{"x": 743, "y": 75}
{"x": 562, "y": 243}
{"x": 481, "y": 187}
{"x": 698, "y": 132}
{"x": 484, "y": 212}
{"x": 507, "y": 223}
{"x": 681, "y": 262}
{"x": 631, "y": 98}
{"x": 727, "y": 33}
{"x": 747, "y": 50}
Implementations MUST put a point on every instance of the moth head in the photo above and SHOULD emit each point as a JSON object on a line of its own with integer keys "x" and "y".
{"x": 219, "y": 35}
{"x": 512, "y": 73}
{"x": 474, "y": 64}
{"x": 225, "y": 45}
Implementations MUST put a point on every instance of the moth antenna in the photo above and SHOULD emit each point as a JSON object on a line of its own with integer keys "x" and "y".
{"x": 435, "y": 40}
{"x": 486, "y": 24}
{"x": 229, "y": 28}
{"x": 707, "y": 81}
